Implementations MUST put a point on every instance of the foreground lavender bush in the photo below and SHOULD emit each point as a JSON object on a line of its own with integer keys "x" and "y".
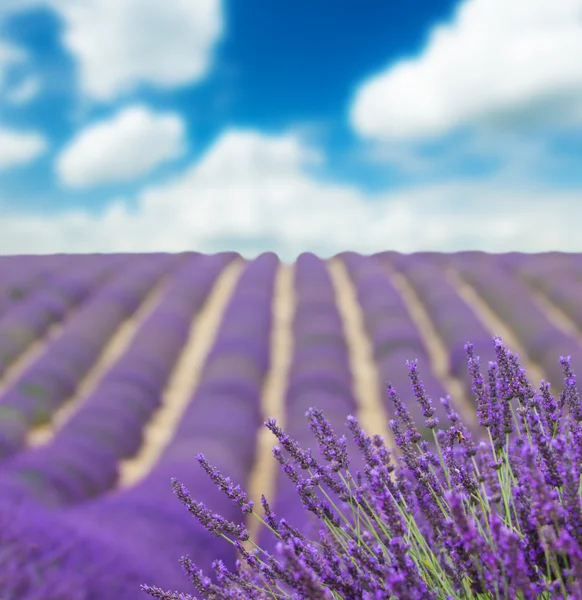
{"x": 496, "y": 519}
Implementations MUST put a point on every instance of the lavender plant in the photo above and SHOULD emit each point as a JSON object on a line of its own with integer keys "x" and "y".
{"x": 500, "y": 517}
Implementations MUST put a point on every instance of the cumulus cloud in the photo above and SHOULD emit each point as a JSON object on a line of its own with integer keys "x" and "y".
{"x": 121, "y": 45}
{"x": 251, "y": 192}
{"x": 24, "y": 91}
{"x": 130, "y": 144}
{"x": 19, "y": 147}
{"x": 498, "y": 64}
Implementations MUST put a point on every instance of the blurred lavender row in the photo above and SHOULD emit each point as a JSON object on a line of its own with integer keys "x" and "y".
{"x": 22, "y": 275}
{"x": 83, "y": 457}
{"x": 511, "y": 300}
{"x": 27, "y": 319}
{"x": 453, "y": 319}
{"x": 221, "y": 421}
{"x": 559, "y": 280}
{"x": 394, "y": 337}
{"x": 319, "y": 377}
{"x": 45, "y": 384}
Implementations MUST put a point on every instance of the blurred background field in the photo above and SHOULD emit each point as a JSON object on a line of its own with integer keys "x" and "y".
{"x": 118, "y": 369}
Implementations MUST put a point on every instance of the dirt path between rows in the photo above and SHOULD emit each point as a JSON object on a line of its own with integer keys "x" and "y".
{"x": 110, "y": 354}
{"x": 183, "y": 380}
{"x": 371, "y": 410}
{"x": 494, "y": 324}
{"x": 263, "y": 475}
{"x": 438, "y": 353}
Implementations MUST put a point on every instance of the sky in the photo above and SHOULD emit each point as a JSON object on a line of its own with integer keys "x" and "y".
{"x": 208, "y": 125}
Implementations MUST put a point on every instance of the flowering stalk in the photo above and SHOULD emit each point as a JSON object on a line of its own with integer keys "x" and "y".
{"x": 494, "y": 519}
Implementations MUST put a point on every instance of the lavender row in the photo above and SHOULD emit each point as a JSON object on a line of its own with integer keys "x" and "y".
{"x": 511, "y": 300}
{"x": 86, "y": 565}
{"x": 398, "y": 259}
{"x": 32, "y": 317}
{"x": 455, "y": 322}
{"x": 557, "y": 281}
{"x": 574, "y": 261}
{"x": 543, "y": 261}
{"x": 224, "y": 413}
{"x": 221, "y": 421}
{"x": 21, "y": 275}
{"x": 43, "y": 556}
{"x": 394, "y": 338}
{"x": 82, "y": 460}
{"x": 55, "y": 375}
{"x": 319, "y": 376}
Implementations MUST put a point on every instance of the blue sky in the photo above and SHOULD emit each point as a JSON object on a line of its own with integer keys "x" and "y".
{"x": 148, "y": 125}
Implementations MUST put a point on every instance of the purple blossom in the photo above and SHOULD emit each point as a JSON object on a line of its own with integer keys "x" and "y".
{"x": 500, "y": 518}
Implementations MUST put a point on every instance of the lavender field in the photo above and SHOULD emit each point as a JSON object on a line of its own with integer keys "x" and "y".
{"x": 117, "y": 369}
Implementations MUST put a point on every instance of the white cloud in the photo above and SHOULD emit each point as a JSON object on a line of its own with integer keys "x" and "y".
{"x": 250, "y": 192}
{"x": 19, "y": 147}
{"x": 119, "y": 45}
{"x": 497, "y": 64}
{"x": 130, "y": 144}
{"x": 24, "y": 91}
